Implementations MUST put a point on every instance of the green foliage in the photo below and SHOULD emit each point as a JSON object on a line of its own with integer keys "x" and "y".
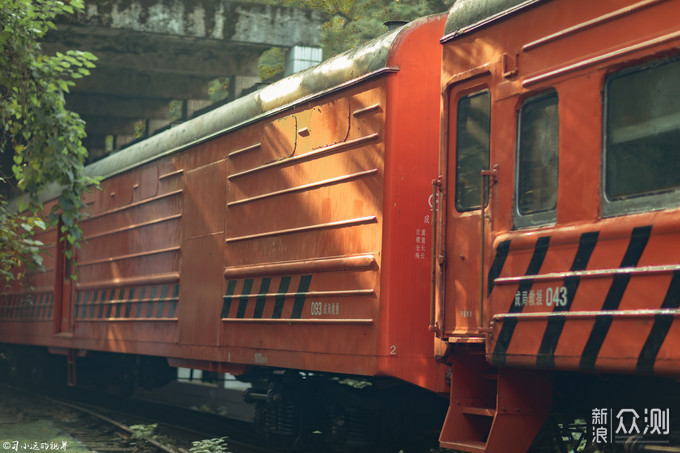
{"x": 217, "y": 445}
{"x": 353, "y": 22}
{"x": 218, "y": 90}
{"x": 140, "y": 128}
{"x": 271, "y": 63}
{"x": 143, "y": 431}
{"x": 19, "y": 252}
{"x": 44, "y": 139}
{"x": 141, "y": 435}
{"x": 350, "y": 23}
{"x": 175, "y": 113}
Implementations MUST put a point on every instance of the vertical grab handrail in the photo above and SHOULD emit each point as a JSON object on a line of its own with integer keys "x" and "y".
{"x": 482, "y": 237}
{"x": 436, "y": 183}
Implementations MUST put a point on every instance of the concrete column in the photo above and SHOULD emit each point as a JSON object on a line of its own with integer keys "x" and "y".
{"x": 302, "y": 57}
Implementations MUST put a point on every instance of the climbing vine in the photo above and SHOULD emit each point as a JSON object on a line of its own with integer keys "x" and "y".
{"x": 40, "y": 139}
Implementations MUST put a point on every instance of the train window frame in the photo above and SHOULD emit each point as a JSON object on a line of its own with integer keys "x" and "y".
{"x": 541, "y": 217}
{"x": 476, "y": 184}
{"x": 642, "y": 201}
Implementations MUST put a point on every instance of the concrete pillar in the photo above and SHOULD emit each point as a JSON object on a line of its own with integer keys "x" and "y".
{"x": 302, "y": 57}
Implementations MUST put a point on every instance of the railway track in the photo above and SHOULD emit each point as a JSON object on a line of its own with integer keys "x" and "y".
{"x": 185, "y": 425}
{"x": 103, "y": 432}
{"x": 83, "y": 422}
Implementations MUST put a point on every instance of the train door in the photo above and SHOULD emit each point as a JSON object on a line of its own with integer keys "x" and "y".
{"x": 64, "y": 285}
{"x": 462, "y": 223}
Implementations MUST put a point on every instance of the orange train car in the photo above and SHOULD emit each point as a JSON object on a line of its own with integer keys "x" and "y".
{"x": 558, "y": 242}
{"x": 286, "y": 238}
{"x": 287, "y": 232}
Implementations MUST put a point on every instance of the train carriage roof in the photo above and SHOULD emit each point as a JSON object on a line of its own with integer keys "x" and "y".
{"x": 467, "y": 15}
{"x": 335, "y": 73}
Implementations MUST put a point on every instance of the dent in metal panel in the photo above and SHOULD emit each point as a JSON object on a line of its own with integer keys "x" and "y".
{"x": 115, "y": 194}
{"x": 145, "y": 183}
{"x": 279, "y": 139}
{"x": 329, "y": 123}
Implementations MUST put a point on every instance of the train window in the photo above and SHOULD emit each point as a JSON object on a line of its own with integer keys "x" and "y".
{"x": 537, "y": 159}
{"x": 642, "y": 132}
{"x": 472, "y": 147}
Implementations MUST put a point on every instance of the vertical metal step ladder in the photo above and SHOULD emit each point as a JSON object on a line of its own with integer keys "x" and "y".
{"x": 494, "y": 410}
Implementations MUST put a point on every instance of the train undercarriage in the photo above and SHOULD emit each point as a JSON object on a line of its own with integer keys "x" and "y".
{"x": 295, "y": 410}
{"x": 304, "y": 411}
{"x": 344, "y": 413}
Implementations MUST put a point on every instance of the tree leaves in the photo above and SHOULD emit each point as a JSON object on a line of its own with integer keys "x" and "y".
{"x": 271, "y": 63}
{"x": 350, "y": 23}
{"x": 44, "y": 138}
{"x": 353, "y": 22}
{"x": 19, "y": 252}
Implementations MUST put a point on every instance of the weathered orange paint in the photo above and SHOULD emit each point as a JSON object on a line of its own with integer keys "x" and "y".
{"x": 300, "y": 239}
{"x": 569, "y": 47}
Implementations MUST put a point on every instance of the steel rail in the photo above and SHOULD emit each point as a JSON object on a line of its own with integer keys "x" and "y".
{"x": 127, "y": 429}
